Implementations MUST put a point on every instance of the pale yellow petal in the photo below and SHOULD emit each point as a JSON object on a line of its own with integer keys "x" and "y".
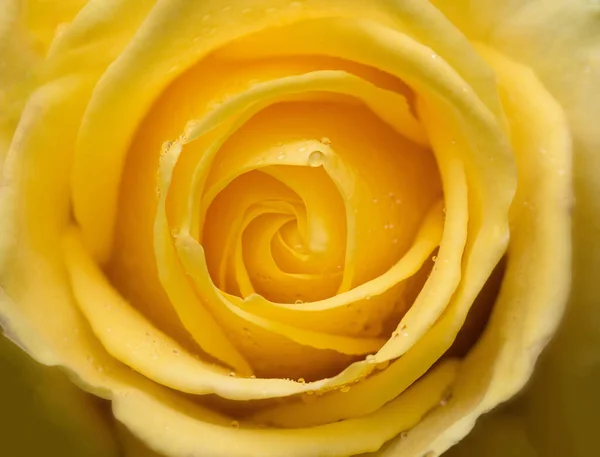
{"x": 526, "y": 313}
{"x": 176, "y": 428}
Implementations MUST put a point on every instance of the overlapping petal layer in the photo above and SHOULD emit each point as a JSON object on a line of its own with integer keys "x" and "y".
{"x": 252, "y": 223}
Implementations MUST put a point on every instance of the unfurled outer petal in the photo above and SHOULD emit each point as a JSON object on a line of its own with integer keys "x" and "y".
{"x": 560, "y": 42}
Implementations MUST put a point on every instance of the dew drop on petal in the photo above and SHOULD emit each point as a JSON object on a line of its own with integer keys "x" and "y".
{"x": 315, "y": 159}
{"x": 235, "y": 424}
{"x": 325, "y": 140}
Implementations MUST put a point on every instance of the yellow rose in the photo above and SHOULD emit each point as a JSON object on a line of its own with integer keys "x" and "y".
{"x": 308, "y": 228}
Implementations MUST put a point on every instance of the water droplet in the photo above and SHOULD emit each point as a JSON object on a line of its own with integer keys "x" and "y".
{"x": 345, "y": 389}
{"x": 315, "y": 159}
{"x": 446, "y": 398}
{"x": 235, "y": 424}
{"x": 231, "y": 374}
{"x": 252, "y": 376}
{"x": 434, "y": 56}
{"x": 301, "y": 381}
{"x": 434, "y": 258}
{"x": 403, "y": 435}
{"x": 298, "y": 302}
{"x": 325, "y": 140}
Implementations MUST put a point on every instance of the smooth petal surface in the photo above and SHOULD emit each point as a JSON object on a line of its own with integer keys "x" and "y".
{"x": 568, "y": 371}
{"x": 540, "y": 228}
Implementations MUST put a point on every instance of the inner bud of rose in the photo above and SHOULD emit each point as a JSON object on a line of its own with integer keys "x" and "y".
{"x": 327, "y": 191}
{"x": 282, "y": 230}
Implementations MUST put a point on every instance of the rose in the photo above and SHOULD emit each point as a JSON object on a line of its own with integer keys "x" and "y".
{"x": 68, "y": 277}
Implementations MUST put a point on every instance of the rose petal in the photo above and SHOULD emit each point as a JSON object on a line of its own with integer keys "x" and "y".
{"x": 169, "y": 426}
{"x": 526, "y": 312}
